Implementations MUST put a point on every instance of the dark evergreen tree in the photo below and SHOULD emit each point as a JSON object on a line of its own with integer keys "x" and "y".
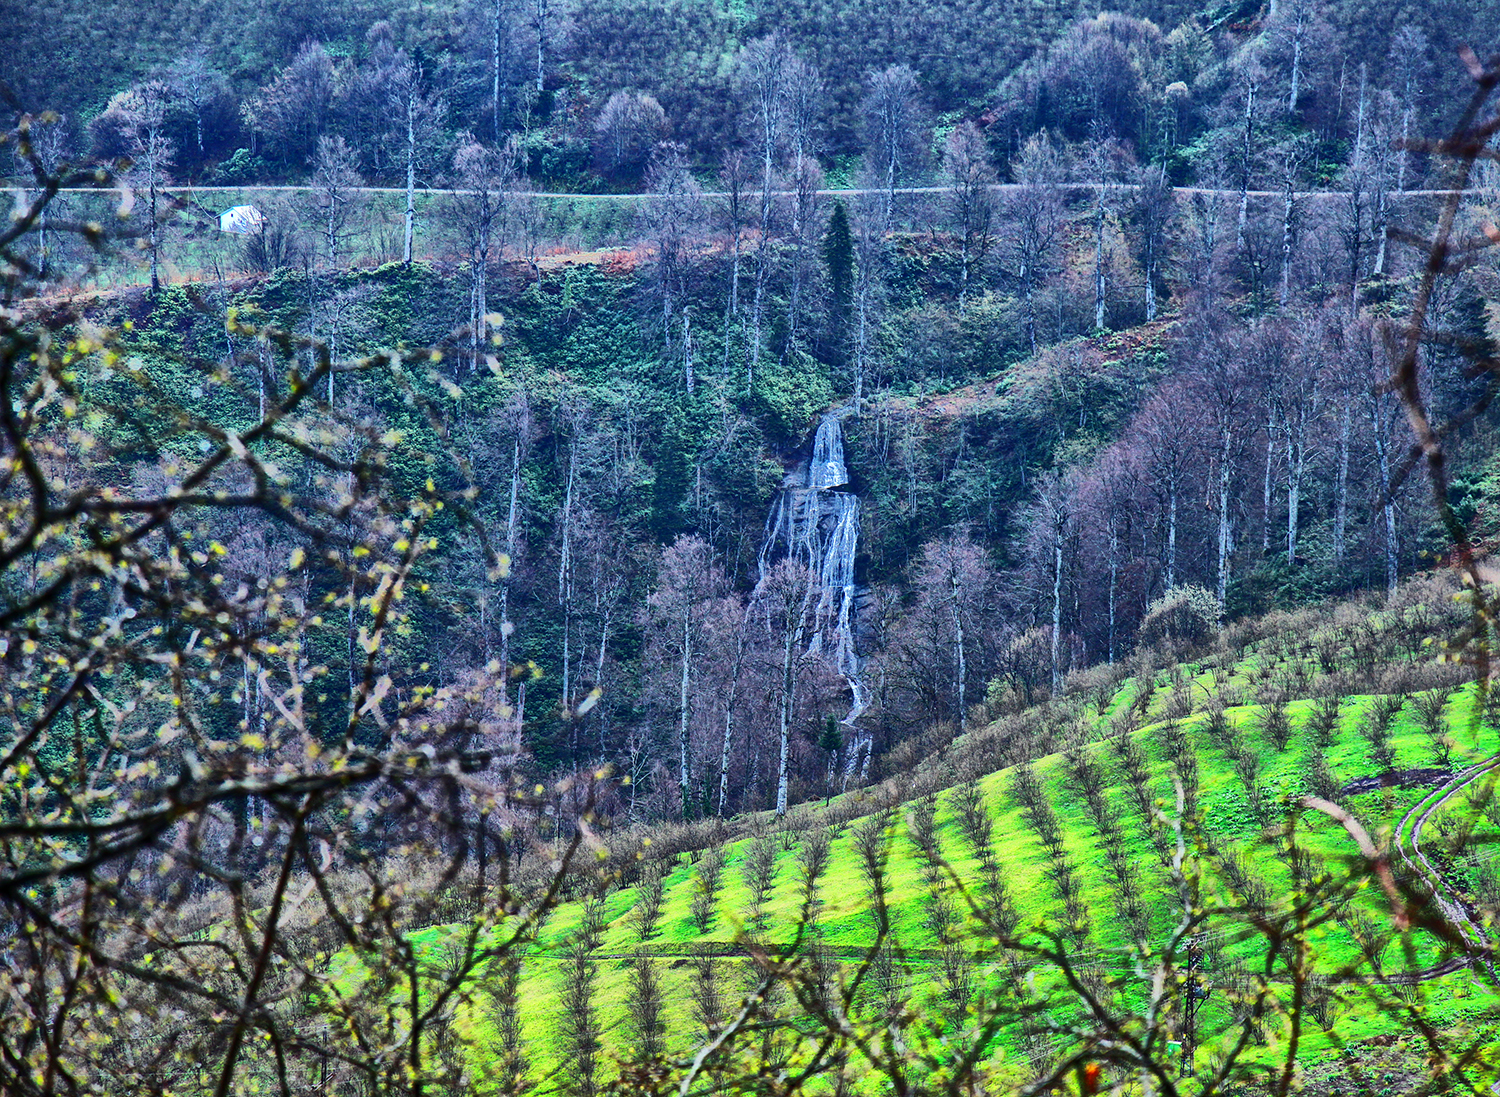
{"x": 838, "y": 260}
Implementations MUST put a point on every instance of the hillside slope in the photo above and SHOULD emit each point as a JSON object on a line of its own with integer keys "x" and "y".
{"x": 1341, "y": 702}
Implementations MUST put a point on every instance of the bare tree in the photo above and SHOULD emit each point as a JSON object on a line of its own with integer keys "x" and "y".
{"x": 416, "y": 111}
{"x": 542, "y": 23}
{"x": 966, "y": 164}
{"x": 941, "y": 642}
{"x": 483, "y": 211}
{"x": 337, "y": 193}
{"x": 804, "y": 95}
{"x": 869, "y": 286}
{"x": 1035, "y": 216}
{"x": 761, "y": 75}
{"x": 893, "y": 134}
{"x": 1305, "y": 392}
{"x": 734, "y": 179}
{"x": 1244, "y": 152}
{"x": 337, "y": 186}
{"x": 1102, "y": 166}
{"x": 670, "y": 215}
{"x": 1155, "y": 209}
{"x": 1384, "y": 412}
{"x": 739, "y": 623}
{"x": 1054, "y": 525}
{"x": 1204, "y": 214}
{"x": 688, "y": 583}
{"x": 49, "y": 140}
{"x": 1294, "y": 30}
{"x": 1291, "y": 160}
{"x": 1410, "y": 63}
{"x": 199, "y": 87}
{"x": 505, "y": 58}
{"x": 1224, "y": 387}
{"x": 627, "y": 130}
{"x": 145, "y": 112}
{"x": 518, "y": 425}
{"x": 1167, "y": 432}
{"x": 785, "y": 599}
{"x": 1105, "y": 503}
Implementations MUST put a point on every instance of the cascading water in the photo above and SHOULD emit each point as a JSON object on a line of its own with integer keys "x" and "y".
{"x": 817, "y": 521}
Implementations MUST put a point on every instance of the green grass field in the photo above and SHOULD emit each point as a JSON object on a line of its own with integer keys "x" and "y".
{"x": 1224, "y": 834}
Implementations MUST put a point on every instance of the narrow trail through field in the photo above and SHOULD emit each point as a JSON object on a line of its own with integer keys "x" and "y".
{"x": 1409, "y": 833}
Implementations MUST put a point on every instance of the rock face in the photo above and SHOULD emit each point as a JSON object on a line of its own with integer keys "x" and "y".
{"x": 815, "y": 520}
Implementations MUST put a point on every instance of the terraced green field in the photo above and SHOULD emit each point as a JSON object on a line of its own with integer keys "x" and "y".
{"x": 1107, "y": 893}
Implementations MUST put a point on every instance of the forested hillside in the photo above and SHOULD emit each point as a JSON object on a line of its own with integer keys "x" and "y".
{"x": 794, "y": 485}
{"x": 587, "y": 88}
{"x": 913, "y": 883}
{"x": 1017, "y": 518}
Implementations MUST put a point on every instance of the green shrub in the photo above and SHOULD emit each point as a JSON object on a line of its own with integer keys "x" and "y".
{"x": 789, "y": 393}
{"x": 1186, "y": 615}
{"x": 240, "y": 169}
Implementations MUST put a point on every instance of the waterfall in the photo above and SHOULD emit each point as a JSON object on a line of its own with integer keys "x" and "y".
{"x": 816, "y": 520}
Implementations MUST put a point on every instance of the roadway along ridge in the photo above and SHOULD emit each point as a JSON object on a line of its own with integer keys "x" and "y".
{"x": 846, "y": 192}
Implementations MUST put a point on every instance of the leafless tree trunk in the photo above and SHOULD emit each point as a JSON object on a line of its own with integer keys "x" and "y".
{"x": 967, "y": 165}
{"x": 1221, "y": 591}
{"x": 1381, "y": 436}
{"x": 1341, "y": 482}
{"x": 497, "y": 24}
{"x": 1112, "y": 526}
{"x": 1272, "y": 427}
{"x": 731, "y": 702}
{"x": 1408, "y": 55}
{"x": 512, "y": 526}
{"x": 671, "y": 215}
{"x": 1052, "y": 496}
{"x": 146, "y": 115}
{"x": 786, "y": 594}
{"x": 196, "y": 84}
{"x": 762, "y": 76}
{"x": 891, "y": 123}
{"x": 1247, "y": 160}
{"x": 1155, "y": 203}
{"x": 411, "y": 172}
{"x": 565, "y": 572}
{"x": 684, "y": 706}
{"x": 1036, "y": 216}
{"x": 1296, "y": 464}
{"x": 416, "y": 113}
{"x": 1099, "y": 213}
{"x": 1291, "y": 167}
{"x": 541, "y": 27}
{"x": 732, "y": 178}
{"x": 803, "y": 106}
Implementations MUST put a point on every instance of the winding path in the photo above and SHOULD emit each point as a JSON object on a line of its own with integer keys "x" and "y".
{"x": 1409, "y": 833}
